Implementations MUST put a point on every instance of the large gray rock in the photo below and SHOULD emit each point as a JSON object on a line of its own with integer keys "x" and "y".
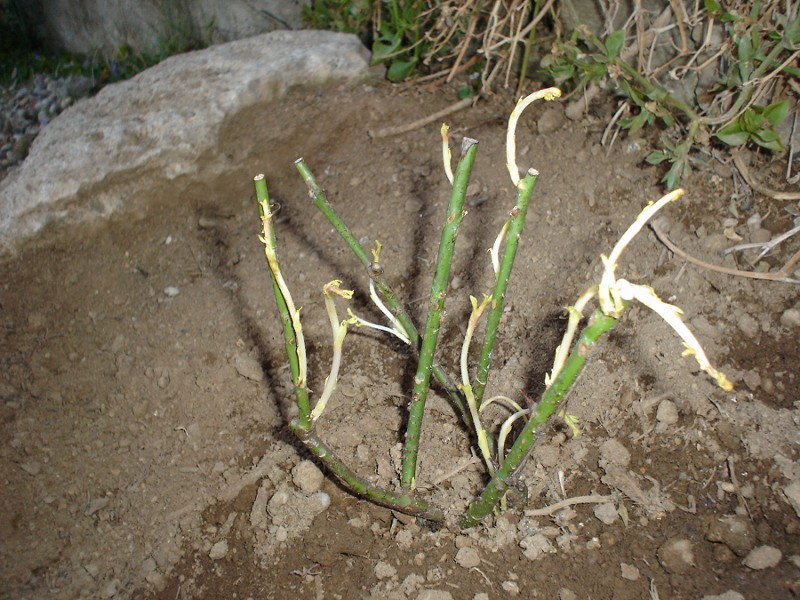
{"x": 88, "y": 26}
{"x": 96, "y": 155}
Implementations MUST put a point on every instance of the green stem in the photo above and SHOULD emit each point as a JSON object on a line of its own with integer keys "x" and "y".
{"x": 404, "y": 503}
{"x": 524, "y": 193}
{"x": 455, "y": 212}
{"x": 496, "y": 488}
{"x": 375, "y": 272}
{"x": 289, "y": 334}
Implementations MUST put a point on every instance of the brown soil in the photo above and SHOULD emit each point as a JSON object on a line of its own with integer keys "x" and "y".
{"x": 145, "y": 443}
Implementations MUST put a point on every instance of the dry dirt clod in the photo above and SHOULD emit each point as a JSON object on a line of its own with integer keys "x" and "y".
{"x": 791, "y": 318}
{"x": 763, "y": 557}
{"x": 735, "y": 531}
{"x": 613, "y": 452}
{"x": 792, "y": 492}
{"x": 729, "y": 595}
{"x": 468, "y": 557}
{"x": 218, "y": 550}
{"x": 307, "y": 476}
{"x": 629, "y": 572}
{"x": 676, "y": 556}
{"x": 384, "y": 570}
{"x": 606, "y": 513}
{"x": 248, "y": 367}
{"x": 435, "y": 595}
{"x": 667, "y": 413}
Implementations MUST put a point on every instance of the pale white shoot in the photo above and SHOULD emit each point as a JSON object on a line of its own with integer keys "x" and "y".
{"x": 446, "y": 154}
{"x": 672, "y": 315}
{"x": 505, "y": 429}
{"x": 609, "y": 302}
{"x": 494, "y": 251}
{"x": 359, "y": 322}
{"x": 511, "y": 133}
{"x": 339, "y": 330}
{"x": 512, "y": 405}
{"x": 466, "y": 386}
{"x": 294, "y": 313}
{"x": 396, "y": 329}
{"x": 613, "y": 293}
{"x": 575, "y": 316}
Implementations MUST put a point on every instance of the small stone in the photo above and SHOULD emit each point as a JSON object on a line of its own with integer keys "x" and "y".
{"x": 435, "y": 595}
{"x": 613, "y": 452}
{"x": 31, "y": 467}
{"x": 676, "y": 556}
{"x": 404, "y": 539}
{"x": 510, "y": 587}
{"x": 384, "y": 570}
{"x": 148, "y": 565}
{"x": 606, "y": 513}
{"x": 567, "y": 594}
{"x": 110, "y": 589}
{"x": 536, "y": 545}
{"x": 218, "y": 550}
{"x": 308, "y": 477}
{"x": 96, "y": 505}
{"x": 92, "y": 570}
{"x": 171, "y": 291}
{"x": 792, "y": 492}
{"x": 629, "y": 572}
{"x": 729, "y": 595}
{"x": 763, "y": 557}
{"x": 791, "y": 318}
{"x": 667, "y": 412}
{"x": 468, "y": 557}
{"x": 248, "y": 367}
{"x": 748, "y": 326}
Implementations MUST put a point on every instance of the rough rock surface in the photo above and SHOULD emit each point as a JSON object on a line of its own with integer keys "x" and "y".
{"x": 87, "y": 26}
{"x": 158, "y": 124}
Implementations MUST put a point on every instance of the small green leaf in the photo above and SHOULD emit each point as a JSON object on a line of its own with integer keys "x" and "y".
{"x": 636, "y": 123}
{"x": 614, "y": 44}
{"x": 672, "y": 178}
{"x": 776, "y": 112}
{"x": 745, "y": 48}
{"x": 733, "y": 135}
{"x": 400, "y": 69}
{"x": 380, "y": 50}
{"x": 769, "y": 139}
{"x": 656, "y": 157}
{"x": 751, "y": 121}
{"x": 465, "y": 92}
{"x": 712, "y": 6}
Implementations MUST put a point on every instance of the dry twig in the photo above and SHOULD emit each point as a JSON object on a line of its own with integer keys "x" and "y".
{"x": 781, "y": 275}
{"x": 397, "y": 130}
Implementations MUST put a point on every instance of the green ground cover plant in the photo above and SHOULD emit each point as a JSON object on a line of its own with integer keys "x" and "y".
{"x": 710, "y": 76}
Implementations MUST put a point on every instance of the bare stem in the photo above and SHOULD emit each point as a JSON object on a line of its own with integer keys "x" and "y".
{"x": 375, "y": 272}
{"x": 405, "y": 503}
{"x": 290, "y": 319}
{"x": 524, "y": 193}
{"x": 499, "y": 484}
{"x": 455, "y": 212}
